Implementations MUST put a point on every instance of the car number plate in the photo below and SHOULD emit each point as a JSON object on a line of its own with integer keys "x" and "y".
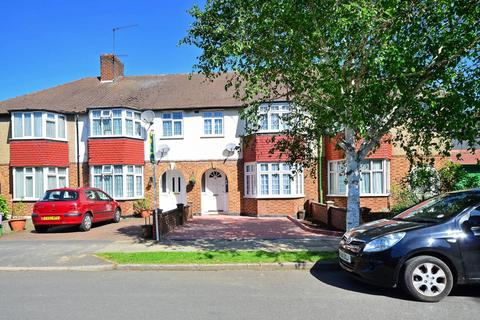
{"x": 51, "y": 218}
{"x": 345, "y": 256}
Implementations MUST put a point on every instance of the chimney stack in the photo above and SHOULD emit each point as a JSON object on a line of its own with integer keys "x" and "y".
{"x": 111, "y": 68}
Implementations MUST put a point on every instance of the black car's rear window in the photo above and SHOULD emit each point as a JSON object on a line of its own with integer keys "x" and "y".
{"x": 440, "y": 208}
{"x": 60, "y": 195}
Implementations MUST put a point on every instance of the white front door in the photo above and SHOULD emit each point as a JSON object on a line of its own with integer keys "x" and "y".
{"x": 214, "y": 196}
{"x": 172, "y": 190}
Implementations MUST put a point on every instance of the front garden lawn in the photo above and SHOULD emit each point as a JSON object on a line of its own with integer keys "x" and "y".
{"x": 216, "y": 257}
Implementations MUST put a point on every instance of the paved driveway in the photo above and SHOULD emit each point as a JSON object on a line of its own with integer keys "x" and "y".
{"x": 221, "y": 227}
{"x": 126, "y": 230}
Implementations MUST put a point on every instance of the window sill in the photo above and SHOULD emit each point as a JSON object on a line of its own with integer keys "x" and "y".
{"x": 115, "y": 136}
{"x": 126, "y": 199}
{"x": 39, "y": 138}
{"x": 171, "y": 138}
{"x": 361, "y": 196}
{"x": 275, "y": 197}
{"x": 212, "y": 136}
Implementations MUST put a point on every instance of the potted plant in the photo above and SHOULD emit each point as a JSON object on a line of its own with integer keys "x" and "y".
{"x": 141, "y": 208}
{"x": 3, "y": 211}
{"x": 17, "y": 221}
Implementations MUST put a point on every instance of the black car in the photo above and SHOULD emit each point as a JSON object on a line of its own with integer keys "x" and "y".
{"x": 426, "y": 249}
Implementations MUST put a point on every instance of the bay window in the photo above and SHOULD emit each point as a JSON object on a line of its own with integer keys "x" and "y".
{"x": 29, "y": 183}
{"x": 115, "y": 123}
{"x": 374, "y": 178}
{"x": 172, "y": 125}
{"x": 271, "y": 117}
{"x": 38, "y": 125}
{"x": 213, "y": 123}
{"x": 119, "y": 181}
{"x": 272, "y": 180}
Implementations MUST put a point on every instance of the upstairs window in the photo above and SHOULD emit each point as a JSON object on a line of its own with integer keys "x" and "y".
{"x": 213, "y": 123}
{"x": 271, "y": 117}
{"x": 172, "y": 125}
{"x": 115, "y": 123}
{"x": 38, "y": 125}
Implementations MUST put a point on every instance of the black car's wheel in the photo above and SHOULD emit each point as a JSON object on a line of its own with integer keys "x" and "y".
{"x": 117, "y": 215}
{"x": 41, "y": 229}
{"x": 86, "y": 222}
{"x": 427, "y": 278}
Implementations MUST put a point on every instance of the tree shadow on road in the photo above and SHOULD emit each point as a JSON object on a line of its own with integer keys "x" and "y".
{"x": 336, "y": 277}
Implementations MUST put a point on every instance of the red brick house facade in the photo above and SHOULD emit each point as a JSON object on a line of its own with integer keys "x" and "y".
{"x": 90, "y": 132}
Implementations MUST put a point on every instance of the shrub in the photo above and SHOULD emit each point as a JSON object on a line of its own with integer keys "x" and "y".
{"x": 403, "y": 198}
{"x": 3, "y": 206}
{"x": 140, "y": 205}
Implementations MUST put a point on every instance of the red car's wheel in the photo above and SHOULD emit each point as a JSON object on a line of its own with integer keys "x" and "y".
{"x": 86, "y": 222}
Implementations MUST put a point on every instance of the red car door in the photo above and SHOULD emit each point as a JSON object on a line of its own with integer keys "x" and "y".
{"x": 105, "y": 205}
{"x": 92, "y": 204}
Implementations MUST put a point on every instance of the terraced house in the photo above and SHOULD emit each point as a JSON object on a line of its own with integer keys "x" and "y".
{"x": 90, "y": 132}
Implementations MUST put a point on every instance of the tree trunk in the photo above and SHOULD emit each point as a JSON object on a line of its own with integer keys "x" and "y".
{"x": 353, "y": 176}
{"x": 353, "y": 201}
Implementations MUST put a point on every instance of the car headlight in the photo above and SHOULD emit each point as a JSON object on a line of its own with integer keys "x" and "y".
{"x": 384, "y": 243}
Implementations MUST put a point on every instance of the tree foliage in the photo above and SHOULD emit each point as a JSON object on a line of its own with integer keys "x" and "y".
{"x": 357, "y": 67}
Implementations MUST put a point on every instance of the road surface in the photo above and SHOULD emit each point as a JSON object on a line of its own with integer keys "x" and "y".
{"x": 327, "y": 294}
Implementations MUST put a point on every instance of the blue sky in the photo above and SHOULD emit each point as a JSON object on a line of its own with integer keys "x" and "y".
{"x": 47, "y": 43}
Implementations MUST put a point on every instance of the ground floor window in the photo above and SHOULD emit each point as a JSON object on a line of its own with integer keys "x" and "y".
{"x": 30, "y": 183}
{"x": 374, "y": 177}
{"x": 119, "y": 181}
{"x": 272, "y": 180}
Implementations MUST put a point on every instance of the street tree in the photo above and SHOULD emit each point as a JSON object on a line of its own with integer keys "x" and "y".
{"x": 406, "y": 71}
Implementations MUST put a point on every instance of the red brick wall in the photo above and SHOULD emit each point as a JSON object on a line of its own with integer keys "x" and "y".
{"x": 195, "y": 169}
{"x": 115, "y": 151}
{"x": 38, "y": 153}
{"x": 258, "y": 149}
{"x": 332, "y": 152}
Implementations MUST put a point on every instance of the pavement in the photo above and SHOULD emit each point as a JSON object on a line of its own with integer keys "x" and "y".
{"x": 65, "y": 248}
{"x": 239, "y": 294}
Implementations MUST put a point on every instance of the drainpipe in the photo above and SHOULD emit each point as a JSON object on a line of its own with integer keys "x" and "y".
{"x": 78, "y": 150}
{"x": 320, "y": 169}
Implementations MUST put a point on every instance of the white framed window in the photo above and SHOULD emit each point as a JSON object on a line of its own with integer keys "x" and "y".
{"x": 213, "y": 123}
{"x": 374, "y": 178}
{"x": 30, "y": 183}
{"x": 272, "y": 180}
{"x": 115, "y": 123}
{"x": 172, "y": 125}
{"x": 38, "y": 125}
{"x": 270, "y": 117}
{"x": 119, "y": 181}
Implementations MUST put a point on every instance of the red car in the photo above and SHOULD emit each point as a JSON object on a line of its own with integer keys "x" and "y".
{"x": 68, "y": 206}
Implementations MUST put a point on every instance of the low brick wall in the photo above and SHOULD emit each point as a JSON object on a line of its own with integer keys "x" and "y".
{"x": 169, "y": 220}
{"x": 336, "y": 217}
{"x": 318, "y": 213}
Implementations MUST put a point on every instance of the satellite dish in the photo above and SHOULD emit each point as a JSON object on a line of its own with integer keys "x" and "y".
{"x": 231, "y": 147}
{"x": 229, "y": 150}
{"x": 162, "y": 150}
{"x": 148, "y": 116}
